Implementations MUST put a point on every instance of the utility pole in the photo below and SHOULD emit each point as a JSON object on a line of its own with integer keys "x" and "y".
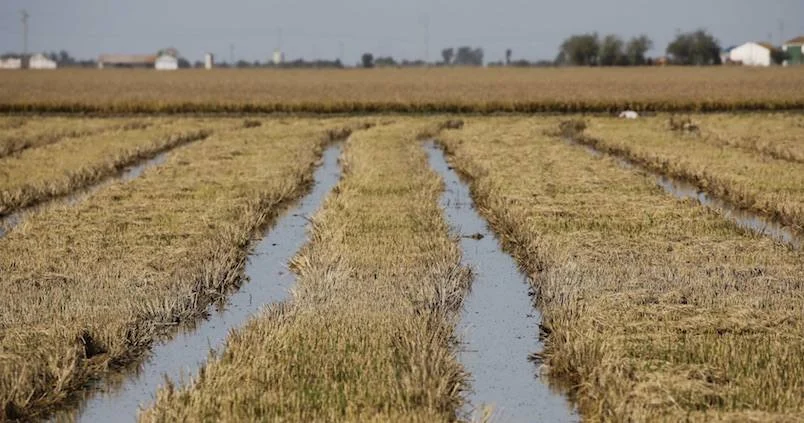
{"x": 25, "y": 17}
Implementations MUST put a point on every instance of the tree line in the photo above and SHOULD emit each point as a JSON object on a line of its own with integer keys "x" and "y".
{"x": 697, "y": 48}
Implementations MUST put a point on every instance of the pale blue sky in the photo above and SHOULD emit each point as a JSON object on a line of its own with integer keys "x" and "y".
{"x": 327, "y": 29}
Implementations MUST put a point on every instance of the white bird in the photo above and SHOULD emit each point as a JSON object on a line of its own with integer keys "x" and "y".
{"x": 629, "y": 114}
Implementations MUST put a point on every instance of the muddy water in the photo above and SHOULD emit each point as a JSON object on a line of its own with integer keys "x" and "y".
{"x": 269, "y": 281}
{"x": 684, "y": 190}
{"x": 8, "y": 223}
{"x": 499, "y": 326}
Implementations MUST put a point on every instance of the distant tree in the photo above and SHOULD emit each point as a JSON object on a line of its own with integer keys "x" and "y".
{"x": 580, "y": 50}
{"x": 385, "y": 62}
{"x": 242, "y": 64}
{"x": 508, "y": 54}
{"x": 779, "y": 56}
{"x": 368, "y": 60}
{"x": 695, "y": 48}
{"x": 636, "y": 49}
{"x": 467, "y": 56}
{"x": 611, "y": 51}
{"x": 448, "y": 54}
{"x": 184, "y": 63}
{"x": 198, "y": 64}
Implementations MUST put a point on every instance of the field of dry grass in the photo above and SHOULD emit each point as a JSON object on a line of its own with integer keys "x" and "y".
{"x": 776, "y": 135}
{"x": 368, "y": 334}
{"x": 742, "y": 175}
{"x": 18, "y": 134}
{"x": 86, "y": 288}
{"x": 54, "y": 170}
{"x": 654, "y": 309}
{"x": 450, "y": 90}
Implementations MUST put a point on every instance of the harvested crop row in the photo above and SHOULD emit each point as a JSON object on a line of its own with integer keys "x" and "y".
{"x": 431, "y": 90}
{"x": 89, "y": 287}
{"x": 654, "y": 309}
{"x": 37, "y": 132}
{"x": 368, "y": 333}
{"x": 771, "y": 187}
{"x": 55, "y": 170}
{"x": 776, "y": 135}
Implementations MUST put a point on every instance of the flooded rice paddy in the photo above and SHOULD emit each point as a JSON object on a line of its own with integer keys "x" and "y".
{"x": 684, "y": 190}
{"x": 9, "y": 222}
{"x": 269, "y": 281}
{"x": 499, "y": 325}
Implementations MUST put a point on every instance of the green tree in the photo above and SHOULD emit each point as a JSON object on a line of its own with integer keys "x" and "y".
{"x": 368, "y": 60}
{"x": 637, "y": 48}
{"x": 580, "y": 50}
{"x": 611, "y": 51}
{"x": 695, "y": 48}
{"x": 467, "y": 56}
{"x": 448, "y": 54}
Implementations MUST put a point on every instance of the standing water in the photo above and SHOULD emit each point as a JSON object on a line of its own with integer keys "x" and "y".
{"x": 269, "y": 281}
{"x": 684, "y": 190}
{"x": 499, "y": 323}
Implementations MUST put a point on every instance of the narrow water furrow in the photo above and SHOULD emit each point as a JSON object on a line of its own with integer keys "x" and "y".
{"x": 129, "y": 173}
{"x": 268, "y": 281}
{"x": 499, "y": 325}
{"x": 680, "y": 189}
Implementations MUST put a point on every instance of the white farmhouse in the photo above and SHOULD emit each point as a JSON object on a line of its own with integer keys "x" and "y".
{"x": 39, "y": 61}
{"x": 166, "y": 62}
{"x": 752, "y": 54}
{"x": 11, "y": 63}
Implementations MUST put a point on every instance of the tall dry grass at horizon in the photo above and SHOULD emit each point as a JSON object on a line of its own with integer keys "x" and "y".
{"x": 429, "y": 90}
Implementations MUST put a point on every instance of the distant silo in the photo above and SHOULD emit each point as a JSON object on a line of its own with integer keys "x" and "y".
{"x": 209, "y": 61}
{"x": 279, "y": 57}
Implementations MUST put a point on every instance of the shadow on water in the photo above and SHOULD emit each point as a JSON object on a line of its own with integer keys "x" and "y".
{"x": 684, "y": 190}
{"x": 268, "y": 281}
{"x": 499, "y": 324}
{"x": 7, "y": 223}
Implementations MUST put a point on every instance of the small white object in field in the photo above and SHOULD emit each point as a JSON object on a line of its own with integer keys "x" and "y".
{"x": 629, "y": 114}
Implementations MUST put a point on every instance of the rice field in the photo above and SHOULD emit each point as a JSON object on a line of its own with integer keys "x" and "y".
{"x": 651, "y": 307}
{"x": 433, "y": 90}
{"x": 747, "y": 175}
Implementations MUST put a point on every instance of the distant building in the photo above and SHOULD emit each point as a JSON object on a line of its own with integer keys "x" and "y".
{"x": 166, "y": 62}
{"x": 39, "y": 61}
{"x": 794, "y": 51}
{"x": 279, "y": 57}
{"x": 209, "y": 61}
{"x": 126, "y": 61}
{"x": 753, "y": 54}
{"x": 11, "y": 63}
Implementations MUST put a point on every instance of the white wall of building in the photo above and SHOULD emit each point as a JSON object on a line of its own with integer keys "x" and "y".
{"x": 752, "y": 54}
{"x": 209, "y": 61}
{"x": 279, "y": 57}
{"x": 39, "y": 61}
{"x": 166, "y": 63}
{"x": 11, "y": 63}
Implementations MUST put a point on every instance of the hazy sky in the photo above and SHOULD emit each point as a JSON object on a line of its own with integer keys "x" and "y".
{"x": 328, "y": 29}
